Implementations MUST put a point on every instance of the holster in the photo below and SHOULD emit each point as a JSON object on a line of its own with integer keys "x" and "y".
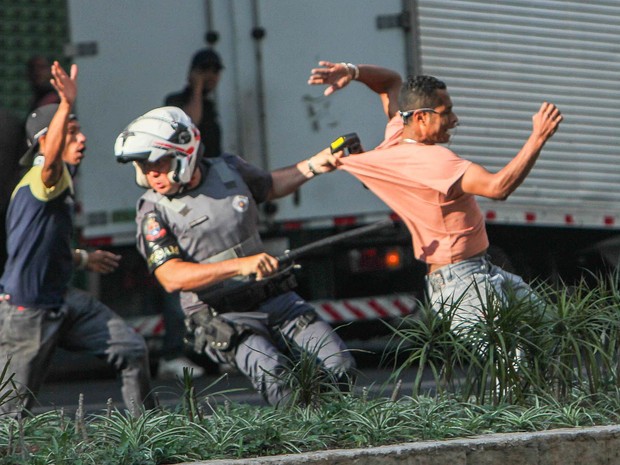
{"x": 206, "y": 330}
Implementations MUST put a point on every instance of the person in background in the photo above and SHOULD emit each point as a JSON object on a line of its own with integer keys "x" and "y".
{"x": 433, "y": 189}
{"x": 195, "y": 100}
{"x": 197, "y": 229}
{"x": 38, "y": 309}
{"x": 39, "y": 75}
{"x": 11, "y": 148}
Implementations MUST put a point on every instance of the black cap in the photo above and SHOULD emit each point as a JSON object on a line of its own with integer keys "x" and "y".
{"x": 207, "y": 58}
{"x": 36, "y": 126}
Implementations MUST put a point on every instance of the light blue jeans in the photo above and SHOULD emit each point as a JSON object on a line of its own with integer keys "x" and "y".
{"x": 467, "y": 285}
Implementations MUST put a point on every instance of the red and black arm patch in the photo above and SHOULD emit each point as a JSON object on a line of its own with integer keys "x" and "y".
{"x": 160, "y": 245}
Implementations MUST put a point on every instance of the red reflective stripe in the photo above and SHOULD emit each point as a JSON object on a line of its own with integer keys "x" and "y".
{"x": 356, "y": 311}
{"x": 159, "y": 327}
{"x": 145, "y": 326}
{"x": 404, "y": 310}
{"x": 98, "y": 241}
{"x": 329, "y": 308}
{"x": 139, "y": 328}
{"x": 345, "y": 221}
{"x": 292, "y": 225}
{"x": 377, "y": 307}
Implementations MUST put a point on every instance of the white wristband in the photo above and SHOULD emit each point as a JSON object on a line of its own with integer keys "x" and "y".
{"x": 352, "y": 69}
{"x": 83, "y": 259}
{"x": 356, "y": 70}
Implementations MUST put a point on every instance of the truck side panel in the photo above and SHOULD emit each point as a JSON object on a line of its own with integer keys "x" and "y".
{"x": 264, "y": 80}
{"x": 143, "y": 50}
{"x": 501, "y": 60}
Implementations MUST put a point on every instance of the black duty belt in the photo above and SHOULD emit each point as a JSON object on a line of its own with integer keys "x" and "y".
{"x": 249, "y": 295}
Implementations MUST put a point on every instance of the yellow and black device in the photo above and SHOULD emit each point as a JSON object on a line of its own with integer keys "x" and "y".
{"x": 350, "y": 143}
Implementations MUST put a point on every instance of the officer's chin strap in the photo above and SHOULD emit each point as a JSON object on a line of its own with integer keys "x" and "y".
{"x": 173, "y": 176}
{"x": 181, "y": 190}
{"x": 199, "y": 158}
{"x": 185, "y": 187}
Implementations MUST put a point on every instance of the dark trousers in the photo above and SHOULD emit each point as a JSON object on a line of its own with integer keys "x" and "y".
{"x": 29, "y": 337}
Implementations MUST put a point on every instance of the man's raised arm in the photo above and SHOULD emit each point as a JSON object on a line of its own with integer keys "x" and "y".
{"x": 383, "y": 81}
{"x": 66, "y": 86}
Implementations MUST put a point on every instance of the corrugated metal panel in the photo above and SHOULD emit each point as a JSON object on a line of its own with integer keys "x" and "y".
{"x": 501, "y": 59}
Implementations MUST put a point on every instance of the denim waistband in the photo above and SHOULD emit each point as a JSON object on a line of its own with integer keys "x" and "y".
{"x": 448, "y": 272}
{"x": 5, "y": 300}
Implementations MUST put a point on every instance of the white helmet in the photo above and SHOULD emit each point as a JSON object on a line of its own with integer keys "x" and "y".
{"x": 161, "y": 132}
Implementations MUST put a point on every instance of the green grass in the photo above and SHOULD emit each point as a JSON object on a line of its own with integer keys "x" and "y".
{"x": 516, "y": 368}
{"x": 165, "y": 437}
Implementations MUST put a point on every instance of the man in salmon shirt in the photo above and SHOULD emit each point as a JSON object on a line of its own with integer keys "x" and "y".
{"x": 432, "y": 189}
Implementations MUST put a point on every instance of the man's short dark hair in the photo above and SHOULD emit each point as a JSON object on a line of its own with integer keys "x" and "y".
{"x": 420, "y": 92}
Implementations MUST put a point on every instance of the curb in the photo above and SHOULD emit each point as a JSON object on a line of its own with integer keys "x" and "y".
{"x": 572, "y": 446}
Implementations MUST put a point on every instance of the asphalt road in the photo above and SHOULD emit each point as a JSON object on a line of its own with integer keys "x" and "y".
{"x": 72, "y": 375}
{"x": 96, "y": 392}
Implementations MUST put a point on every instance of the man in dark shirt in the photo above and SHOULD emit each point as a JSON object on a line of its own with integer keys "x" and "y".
{"x": 204, "y": 75}
{"x": 38, "y": 310}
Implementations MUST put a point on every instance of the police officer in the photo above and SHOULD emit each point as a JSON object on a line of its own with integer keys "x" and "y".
{"x": 197, "y": 230}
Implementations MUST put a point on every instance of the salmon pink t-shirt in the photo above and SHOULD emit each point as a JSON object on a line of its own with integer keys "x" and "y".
{"x": 418, "y": 182}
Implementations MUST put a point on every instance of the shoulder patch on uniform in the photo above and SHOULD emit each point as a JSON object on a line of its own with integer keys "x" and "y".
{"x": 152, "y": 229}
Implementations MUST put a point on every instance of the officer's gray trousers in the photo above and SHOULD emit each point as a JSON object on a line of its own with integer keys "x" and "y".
{"x": 277, "y": 326}
{"x": 29, "y": 336}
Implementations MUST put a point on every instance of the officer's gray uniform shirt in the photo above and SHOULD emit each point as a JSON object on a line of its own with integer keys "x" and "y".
{"x": 215, "y": 221}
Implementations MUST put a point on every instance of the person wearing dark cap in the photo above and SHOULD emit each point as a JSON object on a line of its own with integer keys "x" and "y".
{"x": 38, "y": 310}
{"x": 194, "y": 100}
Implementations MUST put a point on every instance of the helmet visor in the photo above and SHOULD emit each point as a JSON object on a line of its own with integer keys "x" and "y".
{"x": 162, "y": 164}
